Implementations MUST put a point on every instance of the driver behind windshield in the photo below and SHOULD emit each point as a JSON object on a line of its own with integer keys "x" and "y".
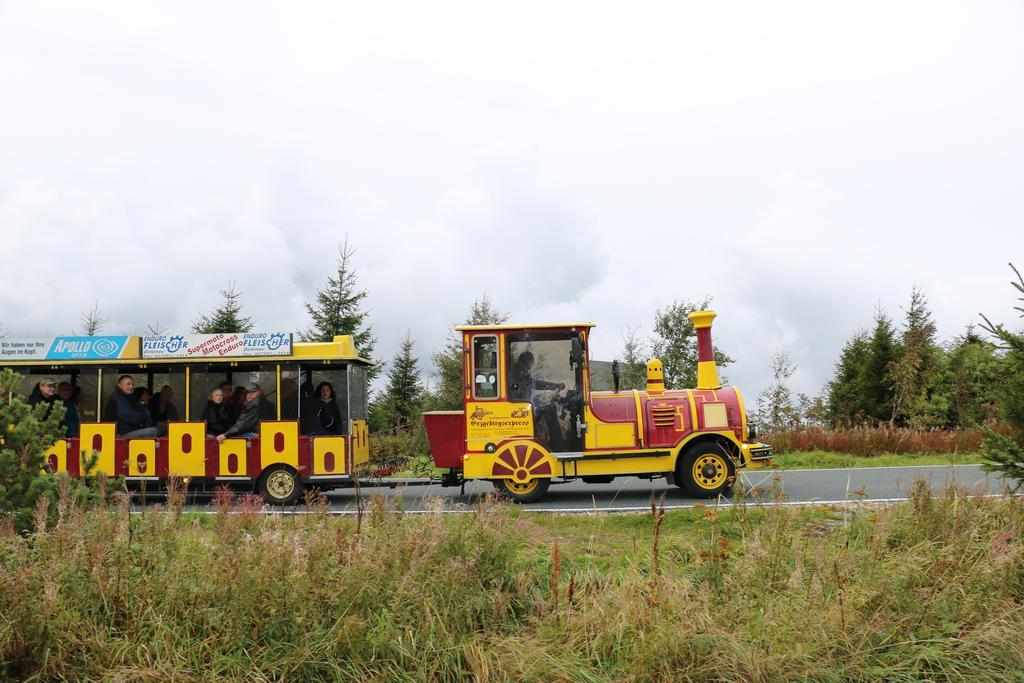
{"x": 524, "y": 387}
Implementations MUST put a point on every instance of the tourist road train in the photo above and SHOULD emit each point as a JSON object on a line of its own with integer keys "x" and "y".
{"x": 530, "y": 415}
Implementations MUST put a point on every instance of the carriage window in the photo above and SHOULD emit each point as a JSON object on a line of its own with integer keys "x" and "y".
{"x": 290, "y": 399}
{"x": 322, "y": 399}
{"x": 485, "y": 367}
{"x": 171, "y": 380}
{"x": 86, "y": 393}
{"x": 202, "y": 381}
{"x": 357, "y": 380}
{"x": 266, "y": 377}
{"x": 109, "y": 386}
{"x": 149, "y": 381}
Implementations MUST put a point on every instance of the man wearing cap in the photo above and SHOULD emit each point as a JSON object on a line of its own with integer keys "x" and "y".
{"x": 44, "y": 392}
{"x": 247, "y": 422}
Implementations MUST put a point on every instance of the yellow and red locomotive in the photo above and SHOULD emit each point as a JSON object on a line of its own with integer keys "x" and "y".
{"x": 530, "y": 417}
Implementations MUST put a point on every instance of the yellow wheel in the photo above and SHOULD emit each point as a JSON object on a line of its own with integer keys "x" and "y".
{"x": 280, "y": 485}
{"x": 527, "y": 491}
{"x": 705, "y": 471}
{"x": 522, "y": 471}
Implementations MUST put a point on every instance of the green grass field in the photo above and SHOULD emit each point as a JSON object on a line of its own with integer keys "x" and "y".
{"x": 928, "y": 590}
{"x": 813, "y": 460}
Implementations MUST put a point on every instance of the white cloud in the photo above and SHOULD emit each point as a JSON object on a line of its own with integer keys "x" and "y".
{"x": 799, "y": 162}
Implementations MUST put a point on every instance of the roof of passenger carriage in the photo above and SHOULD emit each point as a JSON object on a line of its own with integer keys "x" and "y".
{"x": 506, "y": 327}
{"x": 123, "y": 349}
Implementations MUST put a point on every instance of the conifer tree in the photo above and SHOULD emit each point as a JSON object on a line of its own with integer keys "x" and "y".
{"x": 448, "y": 361}
{"x": 875, "y": 380}
{"x": 28, "y": 433}
{"x": 403, "y": 396}
{"x": 675, "y": 343}
{"x": 1003, "y": 453}
{"x": 845, "y": 393}
{"x": 915, "y": 365}
{"x": 969, "y": 380}
{"x": 337, "y": 309}
{"x": 226, "y": 318}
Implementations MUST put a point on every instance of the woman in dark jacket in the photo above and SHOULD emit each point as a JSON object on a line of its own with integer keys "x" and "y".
{"x": 217, "y": 416}
{"x": 327, "y": 413}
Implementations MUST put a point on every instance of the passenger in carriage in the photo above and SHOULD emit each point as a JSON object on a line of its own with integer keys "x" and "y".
{"x": 229, "y": 403}
{"x": 216, "y": 415}
{"x": 238, "y": 400}
{"x": 248, "y": 422}
{"x": 160, "y": 406}
{"x": 45, "y": 392}
{"x": 52, "y": 394}
{"x": 73, "y": 416}
{"x": 308, "y": 423}
{"x": 143, "y": 396}
{"x": 324, "y": 407}
{"x": 133, "y": 418}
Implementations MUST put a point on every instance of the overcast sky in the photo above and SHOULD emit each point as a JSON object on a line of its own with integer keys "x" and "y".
{"x": 801, "y": 163}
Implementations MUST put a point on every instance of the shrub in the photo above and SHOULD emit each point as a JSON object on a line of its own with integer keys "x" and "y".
{"x": 25, "y": 435}
{"x": 401, "y": 448}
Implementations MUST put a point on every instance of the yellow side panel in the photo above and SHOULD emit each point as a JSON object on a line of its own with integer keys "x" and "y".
{"x": 477, "y": 465}
{"x": 609, "y": 434}
{"x": 231, "y": 447}
{"x": 493, "y": 422}
{"x": 360, "y": 443}
{"x": 279, "y": 443}
{"x": 57, "y": 456}
{"x": 98, "y": 436}
{"x": 333, "y": 446}
{"x": 186, "y": 449}
{"x": 142, "y": 457}
{"x": 621, "y": 466}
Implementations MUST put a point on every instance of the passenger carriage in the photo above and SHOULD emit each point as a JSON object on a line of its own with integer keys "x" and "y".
{"x": 279, "y": 463}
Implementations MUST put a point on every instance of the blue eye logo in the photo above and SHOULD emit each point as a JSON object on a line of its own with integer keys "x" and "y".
{"x": 105, "y": 347}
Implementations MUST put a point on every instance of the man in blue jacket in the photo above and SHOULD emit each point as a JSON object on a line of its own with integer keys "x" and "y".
{"x": 133, "y": 417}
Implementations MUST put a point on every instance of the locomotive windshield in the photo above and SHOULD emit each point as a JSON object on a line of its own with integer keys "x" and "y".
{"x": 542, "y": 373}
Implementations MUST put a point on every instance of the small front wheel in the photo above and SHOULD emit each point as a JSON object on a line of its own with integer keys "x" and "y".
{"x": 529, "y": 491}
{"x": 280, "y": 485}
{"x": 705, "y": 471}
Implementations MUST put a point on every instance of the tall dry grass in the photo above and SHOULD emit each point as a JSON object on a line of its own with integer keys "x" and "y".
{"x": 932, "y": 589}
{"x": 869, "y": 441}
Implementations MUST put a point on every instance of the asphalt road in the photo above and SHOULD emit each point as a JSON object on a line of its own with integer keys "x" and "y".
{"x": 629, "y": 493}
